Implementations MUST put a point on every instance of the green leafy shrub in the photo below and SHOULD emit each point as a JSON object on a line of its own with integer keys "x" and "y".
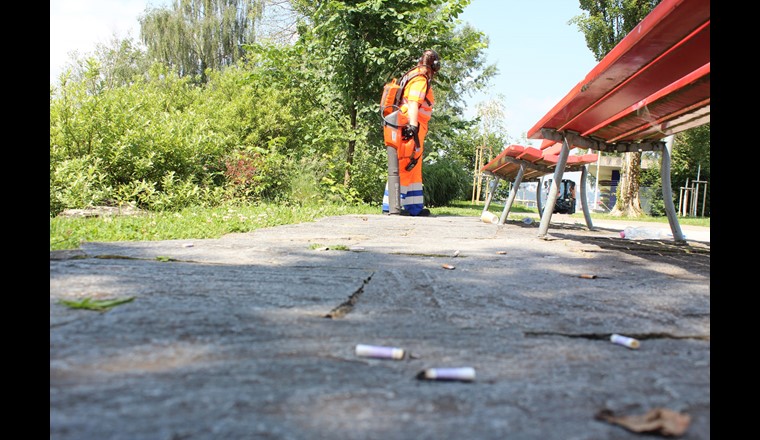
{"x": 79, "y": 182}
{"x": 445, "y": 180}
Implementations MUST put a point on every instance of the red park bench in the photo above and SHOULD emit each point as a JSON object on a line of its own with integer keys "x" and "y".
{"x": 653, "y": 84}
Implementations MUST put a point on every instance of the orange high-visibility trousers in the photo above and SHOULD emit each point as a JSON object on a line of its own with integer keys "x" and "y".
{"x": 412, "y": 198}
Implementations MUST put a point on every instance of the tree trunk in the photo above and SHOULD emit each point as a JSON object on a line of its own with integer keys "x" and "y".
{"x": 628, "y": 202}
{"x": 350, "y": 149}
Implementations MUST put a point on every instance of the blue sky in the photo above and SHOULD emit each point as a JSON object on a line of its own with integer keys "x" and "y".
{"x": 539, "y": 56}
{"x": 79, "y": 25}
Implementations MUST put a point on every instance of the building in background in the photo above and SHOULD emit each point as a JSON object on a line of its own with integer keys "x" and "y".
{"x": 606, "y": 173}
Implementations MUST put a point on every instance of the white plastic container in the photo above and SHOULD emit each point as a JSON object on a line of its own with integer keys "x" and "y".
{"x": 489, "y": 217}
{"x": 644, "y": 233}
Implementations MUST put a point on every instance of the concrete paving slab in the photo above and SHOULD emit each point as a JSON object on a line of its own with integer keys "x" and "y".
{"x": 252, "y": 335}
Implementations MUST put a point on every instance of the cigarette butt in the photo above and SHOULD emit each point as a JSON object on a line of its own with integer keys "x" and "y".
{"x": 501, "y": 252}
{"x": 448, "y": 266}
{"x": 624, "y": 341}
{"x": 377, "y": 351}
{"x": 587, "y": 276}
{"x": 464, "y": 374}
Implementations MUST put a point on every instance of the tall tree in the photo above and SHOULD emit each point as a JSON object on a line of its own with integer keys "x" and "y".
{"x": 492, "y": 133}
{"x": 195, "y": 35}
{"x": 604, "y": 25}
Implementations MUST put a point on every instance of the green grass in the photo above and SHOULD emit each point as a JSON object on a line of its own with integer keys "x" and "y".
{"x": 199, "y": 223}
{"x": 519, "y": 211}
{"x": 190, "y": 223}
{"x": 692, "y": 221}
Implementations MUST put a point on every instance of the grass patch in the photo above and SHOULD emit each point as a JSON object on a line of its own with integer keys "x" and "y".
{"x": 200, "y": 223}
{"x": 519, "y": 211}
{"x": 334, "y": 247}
{"x": 190, "y": 223}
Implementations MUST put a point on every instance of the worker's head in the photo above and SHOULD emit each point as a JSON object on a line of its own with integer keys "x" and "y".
{"x": 431, "y": 59}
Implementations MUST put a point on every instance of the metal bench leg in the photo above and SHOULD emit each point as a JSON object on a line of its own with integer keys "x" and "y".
{"x": 489, "y": 197}
{"x": 512, "y": 195}
{"x": 539, "y": 190}
{"x": 667, "y": 192}
{"x": 584, "y": 198}
{"x": 551, "y": 200}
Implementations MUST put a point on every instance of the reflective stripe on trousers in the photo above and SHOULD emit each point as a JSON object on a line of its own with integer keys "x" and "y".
{"x": 412, "y": 198}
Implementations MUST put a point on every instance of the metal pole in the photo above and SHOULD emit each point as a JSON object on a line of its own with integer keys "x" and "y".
{"x": 512, "y": 194}
{"x": 489, "y": 194}
{"x": 704, "y": 199}
{"x": 394, "y": 183}
{"x": 596, "y": 190}
{"x": 559, "y": 169}
{"x": 584, "y": 200}
{"x": 667, "y": 192}
{"x": 475, "y": 175}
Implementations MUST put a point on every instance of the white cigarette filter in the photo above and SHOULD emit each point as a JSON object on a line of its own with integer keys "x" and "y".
{"x": 460, "y": 373}
{"x": 624, "y": 340}
{"x": 377, "y": 351}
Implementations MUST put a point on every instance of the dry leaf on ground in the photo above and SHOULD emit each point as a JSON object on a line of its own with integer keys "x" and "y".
{"x": 658, "y": 421}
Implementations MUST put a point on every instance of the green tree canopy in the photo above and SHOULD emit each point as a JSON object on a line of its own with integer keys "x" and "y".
{"x": 604, "y": 25}
{"x": 606, "y": 22}
{"x": 195, "y": 35}
{"x": 349, "y": 49}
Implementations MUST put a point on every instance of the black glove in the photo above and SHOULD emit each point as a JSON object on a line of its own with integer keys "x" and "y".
{"x": 409, "y": 131}
{"x": 412, "y": 163}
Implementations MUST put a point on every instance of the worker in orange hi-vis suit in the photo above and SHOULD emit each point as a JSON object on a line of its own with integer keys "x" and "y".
{"x": 417, "y": 105}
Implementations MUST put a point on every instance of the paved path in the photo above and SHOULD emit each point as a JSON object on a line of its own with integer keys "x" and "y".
{"x": 253, "y": 336}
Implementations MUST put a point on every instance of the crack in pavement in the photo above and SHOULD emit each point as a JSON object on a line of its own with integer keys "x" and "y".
{"x": 606, "y": 336}
{"x": 347, "y": 306}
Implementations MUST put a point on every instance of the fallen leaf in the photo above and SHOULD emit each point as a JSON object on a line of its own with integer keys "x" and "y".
{"x": 99, "y": 305}
{"x": 658, "y": 420}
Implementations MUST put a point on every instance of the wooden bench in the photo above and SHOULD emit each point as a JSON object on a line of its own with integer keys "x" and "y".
{"x": 653, "y": 84}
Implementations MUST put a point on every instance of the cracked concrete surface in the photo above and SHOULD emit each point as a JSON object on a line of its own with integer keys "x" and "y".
{"x": 252, "y": 335}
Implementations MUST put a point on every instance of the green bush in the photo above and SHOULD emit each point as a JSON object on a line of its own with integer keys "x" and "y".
{"x": 445, "y": 180}
{"x": 369, "y": 173}
{"x": 78, "y": 183}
